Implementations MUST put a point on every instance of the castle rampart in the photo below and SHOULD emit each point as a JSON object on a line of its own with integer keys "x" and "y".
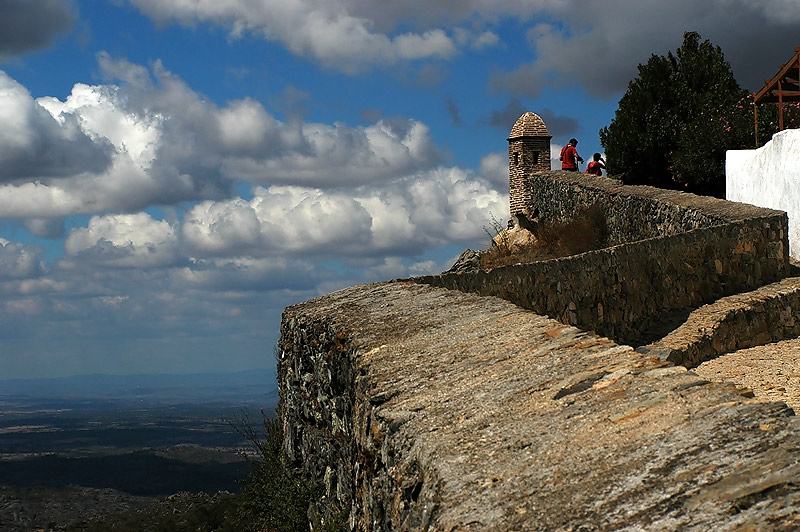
{"x": 424, "y": 408}
{"x": 670, "y": 252}
{"x": 765, "y": 315}
{"x": 421, "y": 408}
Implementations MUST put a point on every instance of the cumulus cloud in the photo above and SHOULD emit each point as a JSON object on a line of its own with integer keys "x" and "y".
{"x": 36, "y": 144}
{"x": 45, "y": 227}
{"x": 414, "y": 213}
{"x": 333, "y": 155}
{"x": 332, "y": 33}
{"x": 249, "y": 274}
{"x": 572, "y": 43}
{"x": 242, "y": 141}
{"x": 27, "y": 25}
{"x": 105, "y": 147}
{"x": 494, "y": 168}
{"x": 18, "y": 261}
{"x": 585, "y": 46}
{"x": 215, "y": 273}
{"x": 128, "y": 241}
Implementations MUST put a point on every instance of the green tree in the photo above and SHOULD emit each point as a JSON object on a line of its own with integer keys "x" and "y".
{"x": 677, "y": 119}
{"x": 274, "y": 496}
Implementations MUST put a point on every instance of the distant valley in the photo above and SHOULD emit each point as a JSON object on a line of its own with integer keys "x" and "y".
{"x": 85, "y": 446}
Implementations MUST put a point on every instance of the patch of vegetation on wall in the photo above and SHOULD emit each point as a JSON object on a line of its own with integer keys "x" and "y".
{"x": 586, "y": 231}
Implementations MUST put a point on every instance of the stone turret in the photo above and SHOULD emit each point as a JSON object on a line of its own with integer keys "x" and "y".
{"x": 528, "y": 152}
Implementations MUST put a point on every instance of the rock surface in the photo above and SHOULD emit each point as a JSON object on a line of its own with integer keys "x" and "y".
{"x": 514, "y": 239}
{"x": 468, "y": 261}
{"x": 429, "y": 409}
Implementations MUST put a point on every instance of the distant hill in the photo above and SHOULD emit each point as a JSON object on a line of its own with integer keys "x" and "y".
{"x": 255, "y": 387}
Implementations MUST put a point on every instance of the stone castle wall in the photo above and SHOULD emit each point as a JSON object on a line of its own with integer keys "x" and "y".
{"x": 630, "y": 213}
{"x": 671, "y": 252}
{"x": 420, "y": 408}
{"x": 765, "y": 315}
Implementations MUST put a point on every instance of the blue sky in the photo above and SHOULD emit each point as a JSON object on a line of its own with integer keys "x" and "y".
{"x": 174, "y": 174}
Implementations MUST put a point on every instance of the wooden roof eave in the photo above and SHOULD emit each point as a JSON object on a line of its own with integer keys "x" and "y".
{"x": 772, "y": 84}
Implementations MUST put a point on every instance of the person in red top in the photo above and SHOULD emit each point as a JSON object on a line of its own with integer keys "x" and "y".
{"x": 569, "y": 156}
{"x": 596, "y": 166}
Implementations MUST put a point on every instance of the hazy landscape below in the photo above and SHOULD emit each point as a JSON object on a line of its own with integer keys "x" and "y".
{"x": 79, "y": 447}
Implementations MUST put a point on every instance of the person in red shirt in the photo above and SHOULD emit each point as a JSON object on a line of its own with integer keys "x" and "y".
{"x": 596, "y": 166}
{"x": 569, "y": 156}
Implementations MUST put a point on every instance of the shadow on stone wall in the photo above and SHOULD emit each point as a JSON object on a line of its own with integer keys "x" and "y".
{"x": 768, "y": 314}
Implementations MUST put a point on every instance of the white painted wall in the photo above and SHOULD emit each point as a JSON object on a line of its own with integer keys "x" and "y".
{"x": 769, "y": 177}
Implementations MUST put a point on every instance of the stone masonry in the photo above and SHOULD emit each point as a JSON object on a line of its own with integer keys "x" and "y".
{"x": 528, "y": 151}
{"x": 428, "y": 404}
{"x": 766, "y": 315}
{"x": 421, "y": 408}
{"x": 669, "y": 252}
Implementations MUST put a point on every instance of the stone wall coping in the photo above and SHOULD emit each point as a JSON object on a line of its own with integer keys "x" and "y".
{"x": 724, "y": 209}
{"x": 768, "y": 314}
{"x": 473, "y": 414}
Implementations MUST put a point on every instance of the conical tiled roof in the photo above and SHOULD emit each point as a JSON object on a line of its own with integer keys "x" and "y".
{"x": 529, "y": 125}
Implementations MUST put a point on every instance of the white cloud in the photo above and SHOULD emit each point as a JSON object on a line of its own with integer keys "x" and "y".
{"x": 340, "y": 155}
{"x": 129, "y": 241}
{"x": 413, "y": 213}
{"x": 331, "y": 33}
{"x": 45, "y": 227}
{"x": 494, "y": 167}
{"x": 148, "y": 141}
{"x": 37, "y": 144}
{"x": 573, "y": 43}
{"x": 18, "y": 261}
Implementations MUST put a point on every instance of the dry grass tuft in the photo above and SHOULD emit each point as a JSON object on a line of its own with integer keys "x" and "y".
{"x": 585, "y": 232}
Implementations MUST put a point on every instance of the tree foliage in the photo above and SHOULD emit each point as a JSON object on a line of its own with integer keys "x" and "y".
{"x": 274, "y": 496}
{"x": 677, "y": 119}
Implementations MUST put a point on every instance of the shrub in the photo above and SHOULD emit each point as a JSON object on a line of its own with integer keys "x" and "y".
{"x": 586, "y": 231}
{"x": 274, "y": 497}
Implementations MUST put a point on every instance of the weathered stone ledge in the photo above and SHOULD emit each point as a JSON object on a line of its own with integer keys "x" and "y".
{"x": 768, "y": 314}
{"x": 624, "y": 290}
{"x": 431, "y": 409}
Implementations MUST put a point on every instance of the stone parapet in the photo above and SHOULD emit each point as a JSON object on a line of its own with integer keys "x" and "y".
{"x": 768, "y": 314}
{"x": 672, "y": 253}
{"x": 427, "y": 409}
{"x": 631, "y": 212}
{"x": 625, "y": 290}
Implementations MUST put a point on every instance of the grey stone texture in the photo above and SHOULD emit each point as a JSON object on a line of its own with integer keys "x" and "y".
{"x": 430, "y": 409}
{"x": 669, "y": 252}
